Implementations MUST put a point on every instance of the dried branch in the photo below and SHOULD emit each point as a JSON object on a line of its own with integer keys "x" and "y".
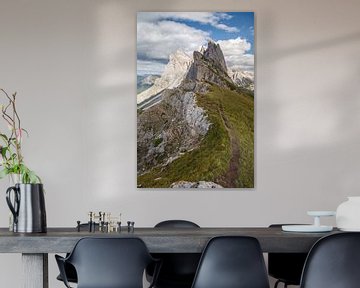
{"x": 10, "y": 152}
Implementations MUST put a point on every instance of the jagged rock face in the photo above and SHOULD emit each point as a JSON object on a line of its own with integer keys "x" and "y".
{"x": 208, "y": 67}
{"x": 199, "y": 184}
{"x": 173, "y": 75}
{"x": 215, "y": 54}
{"x": 169, "y": 129}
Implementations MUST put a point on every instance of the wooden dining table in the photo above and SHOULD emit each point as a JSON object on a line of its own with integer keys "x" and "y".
{"x": 35, "y": 247}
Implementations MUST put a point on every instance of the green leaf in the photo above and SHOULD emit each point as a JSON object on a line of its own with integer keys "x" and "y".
{"x": 26, "y": 132}
{"x": 3, "y": 173}
{"x": 4, "y": 137}
{"x": 13, "y": 156}
{"x": 3, "y": 151}
{"x": 33, "y": 178}
{"x": 27, "y": 175}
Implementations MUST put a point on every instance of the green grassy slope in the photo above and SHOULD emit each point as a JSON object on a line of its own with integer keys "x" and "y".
{"x": 211, "y": 160}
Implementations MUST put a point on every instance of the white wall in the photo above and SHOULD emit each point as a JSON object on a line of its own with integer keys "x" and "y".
{"x": 73, "y": 64}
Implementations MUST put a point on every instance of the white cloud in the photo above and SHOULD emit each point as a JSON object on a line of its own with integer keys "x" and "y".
{"x": 244, "y": 62}
{"x": 158, "y": 37}
{"x": 158, "y": 40}
{"x": 149, "y": 67}
{"x": 235, "y": 53}
{"x": 226, "y": 28}
{"x": 210, "y": 18}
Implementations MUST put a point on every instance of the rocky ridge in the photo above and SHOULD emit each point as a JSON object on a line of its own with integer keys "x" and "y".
{"x": 206, "y": 66}
{"x": 176, "y": 124}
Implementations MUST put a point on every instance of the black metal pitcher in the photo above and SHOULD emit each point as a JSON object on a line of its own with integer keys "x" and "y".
{"x": 28, "y": 208}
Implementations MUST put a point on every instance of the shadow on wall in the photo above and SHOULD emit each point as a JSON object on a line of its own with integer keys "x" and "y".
{"x": 309, "y": 47}
{"x": 307, "y": 112}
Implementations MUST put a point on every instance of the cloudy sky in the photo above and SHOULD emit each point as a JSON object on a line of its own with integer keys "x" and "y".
{"x": 160, "y": 34}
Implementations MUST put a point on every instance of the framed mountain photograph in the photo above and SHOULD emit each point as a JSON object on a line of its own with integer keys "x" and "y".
{"x": 195, "y": 100}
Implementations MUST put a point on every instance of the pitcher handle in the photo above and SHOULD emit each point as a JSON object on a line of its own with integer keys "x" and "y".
{"x": 13, "y": 208}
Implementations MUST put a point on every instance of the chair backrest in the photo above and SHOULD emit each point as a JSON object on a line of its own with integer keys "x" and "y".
{"x": 232, "y": 262}
{"x": 286, "y": 267}
{"x": 178, "y": 269}
{"x": 333, "y": 262}
{"x": 176, "y": 224}
{"x": 110, "y": 262}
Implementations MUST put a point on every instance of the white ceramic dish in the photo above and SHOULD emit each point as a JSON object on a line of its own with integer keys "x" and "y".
{"x": 321, "y": 213}
{"x": 306, "y": 228}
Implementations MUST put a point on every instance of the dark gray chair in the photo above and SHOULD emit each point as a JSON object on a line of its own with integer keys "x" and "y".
{"x": 108, "y": 263}
{"x": 70, "y": 273}
{"x": 69, "y": 269}
{"x": 286, "y": 267}
{"x": 178, "y": 269}
{"x": 333, "y": 262}
{"x": 232, "y": 262}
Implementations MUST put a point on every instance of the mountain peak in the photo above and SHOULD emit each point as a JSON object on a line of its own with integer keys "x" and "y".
{"x": 209, "y": 67}
{"x": 215, "y": 53}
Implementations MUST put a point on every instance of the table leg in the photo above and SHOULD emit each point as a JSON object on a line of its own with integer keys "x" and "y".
{"x": 35, "y": 270}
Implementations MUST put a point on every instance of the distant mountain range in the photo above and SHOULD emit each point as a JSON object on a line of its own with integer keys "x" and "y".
{"x": 196, "y": 124}
{"x": 144, "y": 82}
{"x": 242, "y": 79}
